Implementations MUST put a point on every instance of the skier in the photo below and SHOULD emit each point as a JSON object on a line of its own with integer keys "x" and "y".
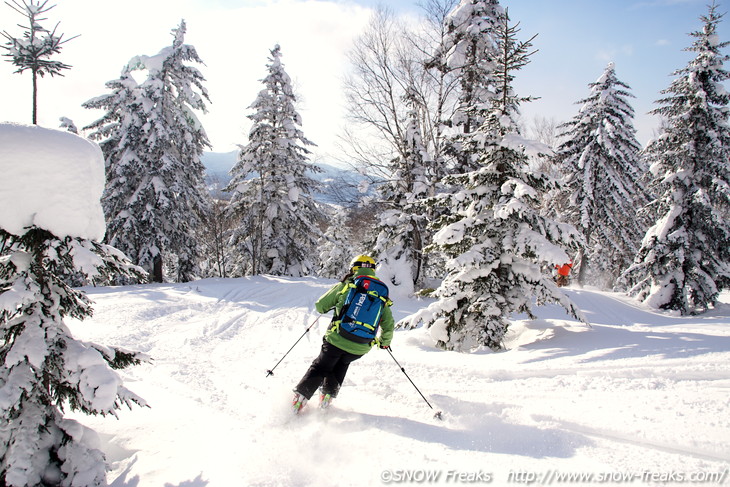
{"x": 328, "y": 370}
{"x": 563, "y": 273}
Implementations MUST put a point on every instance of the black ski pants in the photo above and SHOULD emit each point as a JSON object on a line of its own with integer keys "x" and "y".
{"x": 327, "y": 370}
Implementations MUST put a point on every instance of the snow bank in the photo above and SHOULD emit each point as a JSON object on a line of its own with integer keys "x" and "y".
{"x": 51, "y": 179}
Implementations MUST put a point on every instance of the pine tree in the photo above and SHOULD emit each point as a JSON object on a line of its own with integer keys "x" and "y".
{"x": 121, "y": 135}
{"x": 599, "y": 158}
{"x": 38, "y": 44}
{"x": 495, "y": 238}
{"x": 44, "y": 369}
{"x": 271, "y": 191}
{"x": 123, "y": 118}
{"x": 156, "y": 196}
{"x": 468, "y": 52}
{"x": 684, "y": 260}
{"x": 52, "y": 233}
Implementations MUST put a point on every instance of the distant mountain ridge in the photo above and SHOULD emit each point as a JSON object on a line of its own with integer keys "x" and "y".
{"x": 217, "y": 164}
{"x": 338, "y": 185}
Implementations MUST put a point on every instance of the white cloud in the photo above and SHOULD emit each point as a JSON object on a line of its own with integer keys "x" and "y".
{"x": 234, "y": 42}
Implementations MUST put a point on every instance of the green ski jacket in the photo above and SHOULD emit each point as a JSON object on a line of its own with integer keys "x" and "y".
{"x": 334, "y": 299}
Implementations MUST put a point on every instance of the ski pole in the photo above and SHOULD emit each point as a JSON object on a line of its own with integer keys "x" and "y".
{"x": 438, "y": 413}
{"x": 271, "y": 370}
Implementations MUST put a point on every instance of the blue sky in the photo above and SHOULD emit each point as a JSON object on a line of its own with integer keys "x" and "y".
{"x": 576, "y": 40}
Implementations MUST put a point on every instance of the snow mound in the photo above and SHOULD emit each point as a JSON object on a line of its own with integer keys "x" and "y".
{"x": 52, "y": 180}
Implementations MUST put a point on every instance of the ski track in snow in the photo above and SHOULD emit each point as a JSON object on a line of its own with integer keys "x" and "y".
{"x": 637, "y": 391}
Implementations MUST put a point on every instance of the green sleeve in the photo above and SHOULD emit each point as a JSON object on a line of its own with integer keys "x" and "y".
{"x": 328, "y": 301}
{"x": 387, "y": 324}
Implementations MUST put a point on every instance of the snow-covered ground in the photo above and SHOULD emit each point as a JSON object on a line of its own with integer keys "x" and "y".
{"x": 640, "y": 398}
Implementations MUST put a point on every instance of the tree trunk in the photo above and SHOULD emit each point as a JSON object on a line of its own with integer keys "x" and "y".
{"x": 584, "y": 256}
{"x": 583, "y": 268}
{"x": 418, "y": 254}
{"x": 35, "y": 97}
{"x": 157, "y": 269}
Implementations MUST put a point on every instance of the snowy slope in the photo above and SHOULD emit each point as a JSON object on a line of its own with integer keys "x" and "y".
{"x": 639, "y": 394}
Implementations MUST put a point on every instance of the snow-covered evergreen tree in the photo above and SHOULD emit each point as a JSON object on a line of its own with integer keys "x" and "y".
{"x": 121, "y": 136}
{"x": 38, "y": 44}
{"x": 684, "y": 260}
{"x": 468, "y": 52}
{"x": 495, "y": 238}
{"x": 122, "y": 119}
{"x": 156, "y": 195}
{"x": 599, "y": 158}
{"x": 45, "y": 370}
{"x": 50, "y": 224}
{"x": 277, "y": 227}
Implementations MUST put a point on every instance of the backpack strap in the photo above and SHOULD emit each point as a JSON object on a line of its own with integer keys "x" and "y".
{"x": 337, "y": 317}
{"x": 351, "y": 285}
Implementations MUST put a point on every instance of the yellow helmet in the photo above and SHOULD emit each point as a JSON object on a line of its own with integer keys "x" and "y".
{"x": 362, "y": 261}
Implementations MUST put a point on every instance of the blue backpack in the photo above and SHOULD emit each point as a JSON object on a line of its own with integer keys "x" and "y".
{"x": 360, "y": 315}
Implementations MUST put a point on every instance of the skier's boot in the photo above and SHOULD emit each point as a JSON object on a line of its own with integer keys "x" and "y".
{"x": 298, "y": 402}
{"x": 325, "y": 400}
